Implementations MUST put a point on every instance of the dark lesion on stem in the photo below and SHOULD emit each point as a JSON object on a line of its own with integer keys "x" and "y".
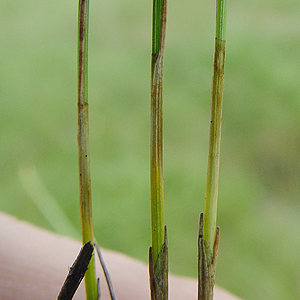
{"x": 159, "y": 272}
{"x": 206, "y": 265}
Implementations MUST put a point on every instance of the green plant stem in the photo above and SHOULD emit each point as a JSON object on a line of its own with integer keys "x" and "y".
{"x": 212, "y": 183}
{"x": 221, "y": 19}
{"x": 156, "y": 25}
{"x": 83, "y": 146}
{"x": 156, "y": 139}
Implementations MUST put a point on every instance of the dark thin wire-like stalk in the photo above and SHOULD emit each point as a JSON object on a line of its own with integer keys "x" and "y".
{"x": 212, "y": 183}
{"x": 105, "y": 272}
{"x": 83, "y": 146}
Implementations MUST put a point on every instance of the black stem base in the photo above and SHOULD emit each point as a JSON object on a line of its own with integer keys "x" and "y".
{"x": 159, "y": 272}
{"x": 206, "y": 265}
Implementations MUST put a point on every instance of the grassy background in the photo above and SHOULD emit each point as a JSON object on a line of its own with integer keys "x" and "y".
{"x": 260, "y": 168}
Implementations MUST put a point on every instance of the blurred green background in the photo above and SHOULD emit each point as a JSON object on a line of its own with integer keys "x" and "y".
{"x": 259, "y": 210}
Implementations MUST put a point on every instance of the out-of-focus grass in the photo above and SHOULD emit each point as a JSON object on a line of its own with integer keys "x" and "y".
{"x": 260, "y": 169}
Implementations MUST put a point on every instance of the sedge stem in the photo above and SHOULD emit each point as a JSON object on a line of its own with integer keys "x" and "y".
{"x": 156, "y": 25}
{"x": 212, "y": 182}
{"x": 156, "y": 139}
{"x": 83, "y": 146}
